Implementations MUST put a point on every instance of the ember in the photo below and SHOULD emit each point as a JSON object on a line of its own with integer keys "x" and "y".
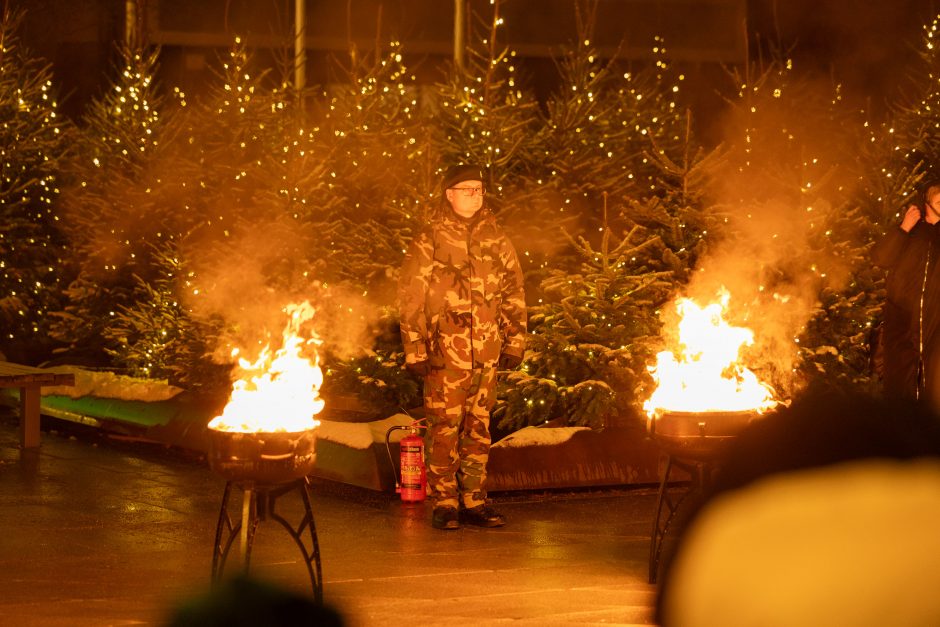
{"x": 705, "y": 374}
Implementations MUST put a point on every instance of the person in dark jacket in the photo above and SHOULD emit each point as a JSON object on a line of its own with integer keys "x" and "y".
{"x": 463, "y": 316}
{"x": 910, "y": 253}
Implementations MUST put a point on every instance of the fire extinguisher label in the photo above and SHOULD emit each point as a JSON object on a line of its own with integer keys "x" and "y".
{"x": 412, "y": 469}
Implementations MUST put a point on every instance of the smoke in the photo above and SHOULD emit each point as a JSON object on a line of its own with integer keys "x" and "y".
{"x": 774, "y": 273}
{"x": 782, "y": 192}
{"x": 249, "y": 279}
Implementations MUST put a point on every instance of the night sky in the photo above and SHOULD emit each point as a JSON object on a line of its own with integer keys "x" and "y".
{"x": 866, "y": 44}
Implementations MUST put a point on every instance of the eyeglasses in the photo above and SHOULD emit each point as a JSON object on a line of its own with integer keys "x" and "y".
{"x": 470, "y": 191}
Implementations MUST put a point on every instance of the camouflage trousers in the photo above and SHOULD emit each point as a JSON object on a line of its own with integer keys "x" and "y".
{"x": 457, "y": 404}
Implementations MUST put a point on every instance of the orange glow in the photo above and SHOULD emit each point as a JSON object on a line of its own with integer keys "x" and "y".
{"x": 278, "y": 392}
{"x": 705, "y": 373}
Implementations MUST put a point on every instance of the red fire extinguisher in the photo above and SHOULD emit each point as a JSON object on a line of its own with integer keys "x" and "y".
{"x": 413, "y": 479}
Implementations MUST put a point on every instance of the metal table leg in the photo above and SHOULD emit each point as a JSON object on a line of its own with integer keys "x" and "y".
{"x": 700, "y": 474}
{"x": 258, "y": 503}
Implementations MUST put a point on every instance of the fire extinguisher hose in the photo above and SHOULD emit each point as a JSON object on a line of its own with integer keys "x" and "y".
{"x": 388, "y": 448}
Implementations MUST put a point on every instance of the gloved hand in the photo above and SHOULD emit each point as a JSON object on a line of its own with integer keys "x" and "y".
{"x": 509, "y": 362}
{"x": 419, "y": 368}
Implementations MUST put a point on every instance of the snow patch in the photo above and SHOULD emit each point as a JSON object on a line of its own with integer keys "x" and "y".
{"x": 110, "y": 385}
{"x": 361, "y": 435}
{"x": 537, "y": 436}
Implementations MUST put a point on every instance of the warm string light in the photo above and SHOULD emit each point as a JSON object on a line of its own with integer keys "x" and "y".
{"x": 29, "y": 156}
{"x": 646, "y": 110}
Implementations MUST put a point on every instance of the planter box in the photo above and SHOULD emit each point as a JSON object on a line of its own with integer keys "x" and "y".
{"x": 530, "y": 459}
{"x": 536, "y": 458}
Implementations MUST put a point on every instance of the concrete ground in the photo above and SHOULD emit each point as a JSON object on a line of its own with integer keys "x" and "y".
{"x": 99, "y": 531}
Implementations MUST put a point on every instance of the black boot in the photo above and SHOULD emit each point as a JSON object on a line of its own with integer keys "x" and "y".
{"x": 445, "y": 518}
{"x": 482, "y": 516}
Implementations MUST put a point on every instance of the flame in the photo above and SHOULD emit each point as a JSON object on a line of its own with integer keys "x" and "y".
{"x": 277, "y": 392}
{"x": 706, "y": 375}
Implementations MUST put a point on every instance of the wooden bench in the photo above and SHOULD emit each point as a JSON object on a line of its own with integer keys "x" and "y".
{"x": 30, "y": 380}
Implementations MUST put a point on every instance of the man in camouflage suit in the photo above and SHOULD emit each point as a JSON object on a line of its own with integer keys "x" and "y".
{"x": 463, "y": 316}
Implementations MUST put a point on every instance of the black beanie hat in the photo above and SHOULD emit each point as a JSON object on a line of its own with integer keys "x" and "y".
{"x": 460, "y": 173}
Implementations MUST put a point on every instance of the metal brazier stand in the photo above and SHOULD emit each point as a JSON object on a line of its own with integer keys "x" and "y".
{"x": 691, "y": 442}
{"x": 264, "y": 466}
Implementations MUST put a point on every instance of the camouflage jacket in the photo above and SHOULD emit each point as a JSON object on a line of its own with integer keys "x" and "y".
{"x": 461, "y": 295}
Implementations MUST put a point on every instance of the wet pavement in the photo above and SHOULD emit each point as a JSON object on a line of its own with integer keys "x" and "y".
{"x": 99, "y": 531}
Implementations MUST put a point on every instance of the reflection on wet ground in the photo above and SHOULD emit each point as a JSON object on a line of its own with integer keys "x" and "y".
{"x": 97, "y": 531}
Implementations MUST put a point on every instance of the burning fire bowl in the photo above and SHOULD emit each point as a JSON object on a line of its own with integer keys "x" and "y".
{"x": 262, "y": 457}
{"x": 698, "y": 435}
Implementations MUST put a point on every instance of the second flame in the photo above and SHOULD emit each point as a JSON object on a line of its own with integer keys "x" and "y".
{"x": 705, "y": 373}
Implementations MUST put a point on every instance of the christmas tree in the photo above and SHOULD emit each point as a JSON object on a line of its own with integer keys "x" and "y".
{"x": 112, "y": 204}
{"x": 194, "y": 206}
{"x": 619, "y": 135}
{"x": 235, "y": 228}
{"x": 582, "y": 139}
{"x": 680, "y": 208}
{"x": 158, "y": 338}
{"x": 378, "y": 183}
{"x": 485, "y": 117}
{"x": 32, "y": 148}
{"x": 916, "y": 118}
{"x": 589, "y": 343}
{"x": 648, "y": 112}
{"x": 381, "y": 182}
